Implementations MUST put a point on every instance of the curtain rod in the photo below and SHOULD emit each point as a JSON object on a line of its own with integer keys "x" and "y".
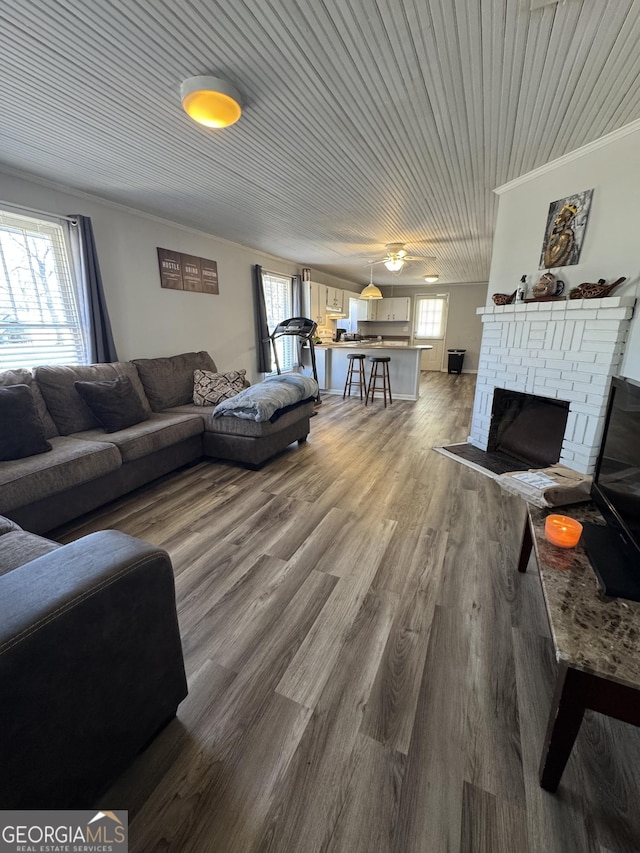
{"x": 280, "y": 274}
{"x": 70, "y": 219}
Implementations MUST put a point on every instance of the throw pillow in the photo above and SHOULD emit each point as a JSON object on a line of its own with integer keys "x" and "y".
{"x": 21, "y": 430}
{"x": 209, "y": 388}
{"x": 114, "y": 403}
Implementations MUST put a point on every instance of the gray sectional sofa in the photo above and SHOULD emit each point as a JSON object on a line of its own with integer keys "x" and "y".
{"x": 88, "y": 467}
{"x": 91, "y": 663}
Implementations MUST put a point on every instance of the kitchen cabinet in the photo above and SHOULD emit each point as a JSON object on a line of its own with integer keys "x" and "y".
{"x": 318, "y": 303}
{"x": 367, "y": 308}
{"x": 395, "y": 308}
{"x": 334, "y": 298}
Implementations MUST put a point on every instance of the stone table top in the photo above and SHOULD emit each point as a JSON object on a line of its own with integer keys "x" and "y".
{"x": 591, "y": 632}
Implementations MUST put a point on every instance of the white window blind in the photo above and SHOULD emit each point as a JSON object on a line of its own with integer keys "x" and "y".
{"x": 278, "y": 297}
{"x": 430, "y": 316}
{"x": 40, "y": 318}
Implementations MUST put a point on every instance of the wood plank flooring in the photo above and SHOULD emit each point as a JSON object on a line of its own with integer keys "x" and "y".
{"x": 368, "y": 673}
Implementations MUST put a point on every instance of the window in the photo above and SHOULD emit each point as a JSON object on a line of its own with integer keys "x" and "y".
{"x": 431, "y": 316}
{"x": 40, "y": 315}
{"x": 278, "y": 297}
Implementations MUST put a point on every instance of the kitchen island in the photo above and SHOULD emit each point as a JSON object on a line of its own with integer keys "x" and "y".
{"x": 404, "y": 367}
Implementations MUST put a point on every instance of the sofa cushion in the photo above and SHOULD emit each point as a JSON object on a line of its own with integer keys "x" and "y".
{"x": 113, "y": 402}
{"x": 6, "y": 525}
{"x": 21, "y": 430}
{"x": 20, "y": 547}
{"x": 169, "y": 381}
{"x": 69, "y": 463}
{"x": 22, "y": 376}
{"x": 66, "y": 406}
{"x": 161, "y": 430}
{"x": 210, "y": 388}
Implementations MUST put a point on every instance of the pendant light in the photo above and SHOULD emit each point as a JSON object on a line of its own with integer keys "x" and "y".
{"x": 371, "y": 291}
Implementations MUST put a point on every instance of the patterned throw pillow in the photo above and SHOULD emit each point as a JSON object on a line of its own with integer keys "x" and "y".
{"x": 209, "y": 388}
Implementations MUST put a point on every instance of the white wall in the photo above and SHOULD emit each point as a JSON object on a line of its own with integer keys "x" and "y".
{"x": 612, "y": 237}
{"x": 148, "y": 320}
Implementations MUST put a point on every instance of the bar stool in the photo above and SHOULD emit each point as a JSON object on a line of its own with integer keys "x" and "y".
{"x": 375, "y": 376}
{"x": 355, "y": 375}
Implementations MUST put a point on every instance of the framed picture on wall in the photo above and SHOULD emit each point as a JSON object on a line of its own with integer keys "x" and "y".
{"x": 209, "y": 276}
{"x": 564, "y": 232}
{"x": 170, "y": 269}
{"x": 187, "y": 272}
{"x": 191, "y": 273}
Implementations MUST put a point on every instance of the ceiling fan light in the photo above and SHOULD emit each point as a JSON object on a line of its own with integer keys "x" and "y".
{"x": 431, "y": 279}
{"x": 394, "y": 264}
{"x": 211, "y": 101}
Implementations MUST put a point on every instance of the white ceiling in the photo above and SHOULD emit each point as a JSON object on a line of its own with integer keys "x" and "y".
{"x": 366, "y": 121}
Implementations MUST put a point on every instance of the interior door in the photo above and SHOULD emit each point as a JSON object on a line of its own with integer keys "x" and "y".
{"x": 431, "y": 359}
{"x": 430, "y": 327}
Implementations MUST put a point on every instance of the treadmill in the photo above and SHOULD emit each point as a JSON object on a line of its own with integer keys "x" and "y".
{"x": 305, "y": 330}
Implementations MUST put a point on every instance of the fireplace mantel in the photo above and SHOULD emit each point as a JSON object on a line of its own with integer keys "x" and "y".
{"x": 568, "y": 350}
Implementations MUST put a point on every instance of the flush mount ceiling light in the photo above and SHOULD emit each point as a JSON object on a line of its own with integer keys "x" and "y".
{"x": 431, "y": 279}
{"x": 211, "y": 101}
{"x": 371, "y": 291}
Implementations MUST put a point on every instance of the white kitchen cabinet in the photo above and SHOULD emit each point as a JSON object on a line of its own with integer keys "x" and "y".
{"x": 395, "y": 308}
{"x": 318, "y": 300}
{"x": 368, "y": 308}
{"x": 334, "y": 299}
{"x": 401, "y": 308}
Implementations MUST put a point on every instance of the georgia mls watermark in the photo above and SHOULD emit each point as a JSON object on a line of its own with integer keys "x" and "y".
{"x": 72, "y": 831}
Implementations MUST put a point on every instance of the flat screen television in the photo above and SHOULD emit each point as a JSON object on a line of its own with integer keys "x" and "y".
{"x": 614, "y": 548}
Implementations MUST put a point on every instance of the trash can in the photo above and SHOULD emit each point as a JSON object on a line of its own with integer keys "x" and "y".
{"x": 456, "y": 357}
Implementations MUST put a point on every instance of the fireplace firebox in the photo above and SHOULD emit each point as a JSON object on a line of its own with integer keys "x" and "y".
{"x": 528, "y": 427}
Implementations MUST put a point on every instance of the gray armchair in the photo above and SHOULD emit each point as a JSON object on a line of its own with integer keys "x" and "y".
{"x": 91, "y": 665}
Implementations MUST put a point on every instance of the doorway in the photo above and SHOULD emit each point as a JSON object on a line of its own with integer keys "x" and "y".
{"x": 430, "y": 326}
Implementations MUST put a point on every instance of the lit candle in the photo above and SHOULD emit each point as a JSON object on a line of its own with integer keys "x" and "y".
{"x": 562, "y": 531}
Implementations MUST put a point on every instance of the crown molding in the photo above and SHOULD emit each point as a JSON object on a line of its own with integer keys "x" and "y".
{"x": 602, "y": 142}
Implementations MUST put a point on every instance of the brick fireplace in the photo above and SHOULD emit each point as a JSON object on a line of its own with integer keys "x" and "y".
{"x": 566, "y": 350}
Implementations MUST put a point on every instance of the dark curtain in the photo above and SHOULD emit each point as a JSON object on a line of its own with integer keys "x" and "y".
{"x": 296, "y": 283}
{"x": 263, "y": 341}
{"x": 101, "y": 345}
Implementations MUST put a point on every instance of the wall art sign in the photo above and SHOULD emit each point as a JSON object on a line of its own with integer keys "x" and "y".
{"x": 564, "y": 232}
{"x": 187, "y": 272}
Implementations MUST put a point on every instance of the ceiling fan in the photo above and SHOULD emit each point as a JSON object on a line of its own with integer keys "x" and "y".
{"x": 396, "y": 257}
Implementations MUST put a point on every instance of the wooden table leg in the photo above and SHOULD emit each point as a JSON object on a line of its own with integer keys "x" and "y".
{"x": 527, "y": 545}
{"x": 567, "y": 710}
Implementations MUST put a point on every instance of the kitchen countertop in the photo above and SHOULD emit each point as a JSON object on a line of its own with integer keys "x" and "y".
{"x": 373, "y": 345}
{"x": 404, "y": 364}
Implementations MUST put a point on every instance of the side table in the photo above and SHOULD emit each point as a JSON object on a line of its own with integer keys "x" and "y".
{"x": 596, "y": 641}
